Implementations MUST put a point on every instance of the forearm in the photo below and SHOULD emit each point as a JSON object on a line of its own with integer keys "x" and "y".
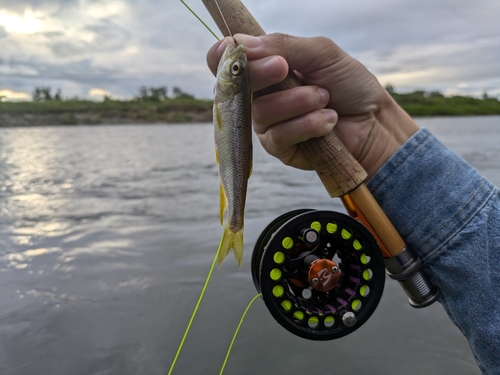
{"x": 449, "y": 215}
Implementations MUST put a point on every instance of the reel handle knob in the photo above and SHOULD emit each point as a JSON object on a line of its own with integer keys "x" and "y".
{"x": 309, "y": 236}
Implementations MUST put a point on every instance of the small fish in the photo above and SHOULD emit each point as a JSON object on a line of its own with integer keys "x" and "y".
{"x": 233, "y": 145}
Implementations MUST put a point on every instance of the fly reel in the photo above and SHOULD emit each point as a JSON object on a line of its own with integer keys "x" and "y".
{"x": 321, "y": 273}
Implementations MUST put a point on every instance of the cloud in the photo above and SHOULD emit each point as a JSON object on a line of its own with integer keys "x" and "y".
{"x": 3, "y": 32}
{"x": 120, "y": 45}
{"x": 101, "y": 36}
{"x": 13, "y": 95}
{"x": 98, "y": 92}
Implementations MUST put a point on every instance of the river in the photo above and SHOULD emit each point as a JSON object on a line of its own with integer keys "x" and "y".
{"x": 107, "y": 234}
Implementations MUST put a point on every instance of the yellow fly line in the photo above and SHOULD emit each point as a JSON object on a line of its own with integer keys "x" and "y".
{"x": 200, "y": 298}
{"x": 199, "y": 19}
{"x": 186, "y": 332}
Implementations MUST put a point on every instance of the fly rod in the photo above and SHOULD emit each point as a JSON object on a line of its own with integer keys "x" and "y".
{"x": 339, "y": 172}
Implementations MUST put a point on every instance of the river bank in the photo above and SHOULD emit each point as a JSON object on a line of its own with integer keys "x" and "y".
{"x": 82, "y": 112}
{"x": 96, "y": 118}
{"x": 191, "y": 110}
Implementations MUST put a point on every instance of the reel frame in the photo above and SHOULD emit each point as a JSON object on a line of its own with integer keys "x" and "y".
{"x": 283, "y": 261}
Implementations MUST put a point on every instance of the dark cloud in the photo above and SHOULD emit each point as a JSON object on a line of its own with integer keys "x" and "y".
{"x": 107, "y": 36}
{"x": 80, "y": 71}
{"x": 23, "y": 4}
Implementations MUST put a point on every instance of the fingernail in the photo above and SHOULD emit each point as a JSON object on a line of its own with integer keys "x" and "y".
{"x": 324, "y": 94}
{"x": 272, "y": 67}
{"x": 330, "y": 117}
{"x": 248, "y": 41}
{"x": 224, "y": 43}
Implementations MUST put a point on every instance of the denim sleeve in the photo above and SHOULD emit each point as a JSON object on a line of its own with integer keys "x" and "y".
{"x": 449, "y": 215}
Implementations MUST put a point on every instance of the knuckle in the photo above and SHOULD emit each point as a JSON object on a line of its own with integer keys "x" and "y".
{"x": 307, "y": 97}
{"x": 267, "y": 143}
{"x": 276, "y": 137}
{"x": 258, "y": 115}
{"x": 312, "y": 122}
{"x": 274, "y": 145}
{"x": 281, "y": 39}
{"x": 324, "y": 42}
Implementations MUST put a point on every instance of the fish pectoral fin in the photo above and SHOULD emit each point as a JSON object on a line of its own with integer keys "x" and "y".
{"x": 217, "y": 116}
{"x": 231, "y": 240}
{"x": 223, "y": 203}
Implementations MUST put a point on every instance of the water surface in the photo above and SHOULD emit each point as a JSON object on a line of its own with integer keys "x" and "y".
{"x": 107, "y": 234}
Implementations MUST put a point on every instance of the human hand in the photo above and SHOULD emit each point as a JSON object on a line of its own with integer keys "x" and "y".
{"x": 339, "y": 93}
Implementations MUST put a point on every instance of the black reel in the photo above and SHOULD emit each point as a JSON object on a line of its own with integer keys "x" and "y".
{"x": 321, "y": 273}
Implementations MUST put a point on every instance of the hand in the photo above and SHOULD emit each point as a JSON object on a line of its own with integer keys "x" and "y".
{"x": 339, "y": 93}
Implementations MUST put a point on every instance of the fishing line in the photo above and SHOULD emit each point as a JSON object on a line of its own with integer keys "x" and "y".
{"x": 223, "y": 19}
{"x": 188, "y": 328}
{"x": 199, "y": 19}
{"x": 209, "y": 276}
{"x": 237, "y": 330}
{"x": 194, "y": 312}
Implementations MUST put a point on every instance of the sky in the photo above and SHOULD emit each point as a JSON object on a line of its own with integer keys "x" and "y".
{"x": 92, "y": 48}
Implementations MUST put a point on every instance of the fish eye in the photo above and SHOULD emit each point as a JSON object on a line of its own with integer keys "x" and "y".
{"x": 236, "y": 68}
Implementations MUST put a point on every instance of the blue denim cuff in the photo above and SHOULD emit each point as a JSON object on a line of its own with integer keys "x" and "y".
{"x": 429, "y": 193}
{"x": 449, "y": 215}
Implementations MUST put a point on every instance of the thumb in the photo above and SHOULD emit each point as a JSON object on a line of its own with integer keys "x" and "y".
{"x": 305, "y": 55}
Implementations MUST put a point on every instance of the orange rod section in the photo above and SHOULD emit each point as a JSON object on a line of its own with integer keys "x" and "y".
{"x": 361, "y": 205}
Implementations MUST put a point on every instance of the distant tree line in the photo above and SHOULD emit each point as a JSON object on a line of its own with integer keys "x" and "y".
{"x": 43, "y": 94}
{"x": 151, "y": 94}
{"x": 434, "y": 103}
{"x": 157, "y": 94}
{"x": 431, "y": 94}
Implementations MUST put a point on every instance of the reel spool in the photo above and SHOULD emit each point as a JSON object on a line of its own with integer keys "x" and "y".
{"x": 321, "y": 273}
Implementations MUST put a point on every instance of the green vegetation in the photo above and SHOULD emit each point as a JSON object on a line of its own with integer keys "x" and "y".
{"x": 434, "y": 104}
{"x": 421, "y": 103}
{"x": 43, "y": 94}
{"x": 153, "y": 104}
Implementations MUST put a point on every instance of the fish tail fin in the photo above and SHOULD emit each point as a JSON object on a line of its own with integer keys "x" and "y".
{"x": 231, "y": 240}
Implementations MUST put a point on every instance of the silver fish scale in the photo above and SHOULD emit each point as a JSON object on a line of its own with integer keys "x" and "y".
{"x": 234, "y": 147}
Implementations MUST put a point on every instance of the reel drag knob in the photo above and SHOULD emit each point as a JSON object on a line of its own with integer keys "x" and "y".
{"x": 321, "y": 273}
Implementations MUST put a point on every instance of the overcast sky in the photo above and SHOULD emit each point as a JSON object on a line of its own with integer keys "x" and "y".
{"x": 91, "y": 47}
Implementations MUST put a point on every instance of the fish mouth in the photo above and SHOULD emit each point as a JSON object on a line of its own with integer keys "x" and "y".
{"x": 230, "y": 50}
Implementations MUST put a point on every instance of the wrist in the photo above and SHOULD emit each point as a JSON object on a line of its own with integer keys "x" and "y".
{"x": 393, "y": 128}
